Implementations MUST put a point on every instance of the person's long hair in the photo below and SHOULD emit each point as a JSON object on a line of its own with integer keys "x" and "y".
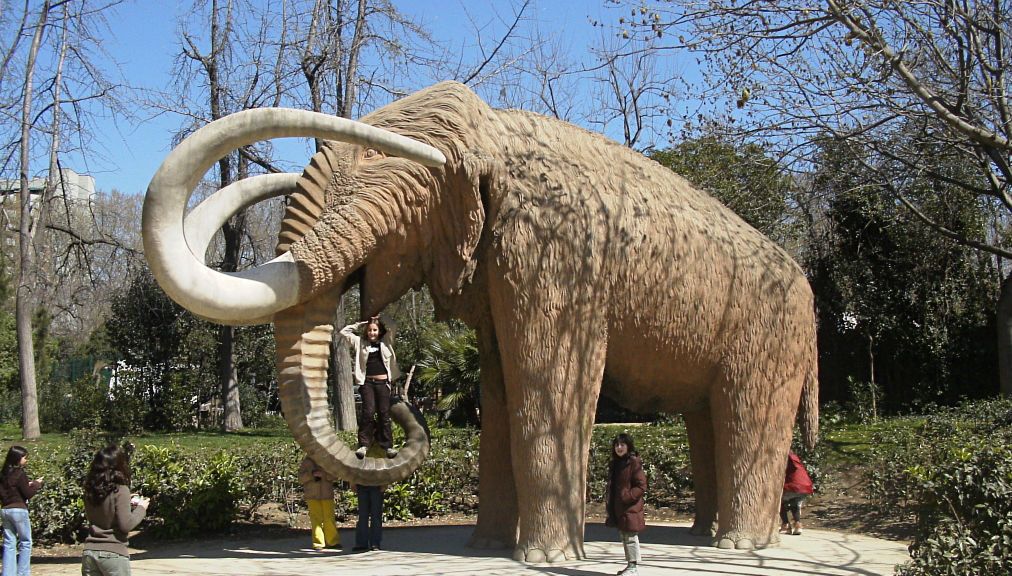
{"x": 108, "y": 470}
{"x": 14, "y": 456}
{"x": 626, "y": 439}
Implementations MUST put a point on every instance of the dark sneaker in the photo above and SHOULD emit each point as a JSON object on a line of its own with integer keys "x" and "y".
{"x": 360, "y": 452}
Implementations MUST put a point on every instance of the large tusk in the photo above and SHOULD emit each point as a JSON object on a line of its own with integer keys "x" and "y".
{"x": 238, "y": 297}
{"x": 206, "y": 218}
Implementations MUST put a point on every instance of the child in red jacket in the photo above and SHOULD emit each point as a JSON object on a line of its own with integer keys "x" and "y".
{"x": 627, "y": 484}
{"x": 797, "y": 487}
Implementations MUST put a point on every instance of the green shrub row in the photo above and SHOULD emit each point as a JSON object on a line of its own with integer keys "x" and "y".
{"x": 196, "y": 490}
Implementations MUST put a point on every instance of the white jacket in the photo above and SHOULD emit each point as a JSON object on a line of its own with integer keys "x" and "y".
{"x": 362, "y": 352}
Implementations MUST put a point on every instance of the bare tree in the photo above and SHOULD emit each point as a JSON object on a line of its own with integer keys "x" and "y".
{"x": 26, "y": 232}
{"x": 328, "y": 60}
{"x": 242, "y": 66}
{"x": 908, "y": 87}
{"x": 617, "y": 84}
{"x": 514, "y": 62}
{"x": 57, "y": 71}
{"x": 633, "y": 88}
{"x": 211, "y": 64}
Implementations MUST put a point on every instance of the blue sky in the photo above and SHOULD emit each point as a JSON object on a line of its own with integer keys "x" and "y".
{"x": 144, "y": 43}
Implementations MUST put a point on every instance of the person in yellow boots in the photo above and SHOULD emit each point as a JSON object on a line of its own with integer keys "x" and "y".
{"x": 319, "y": 494}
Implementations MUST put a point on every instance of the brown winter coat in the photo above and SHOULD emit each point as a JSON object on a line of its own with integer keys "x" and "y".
{"x": 15, "y": 489}
{"x": 111, "y": 520}
{"x": 624, "y": 497}
{"x": 321, "y": 488}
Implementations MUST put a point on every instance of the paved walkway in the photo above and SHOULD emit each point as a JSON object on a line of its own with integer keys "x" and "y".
{"x": 667, "y": 550}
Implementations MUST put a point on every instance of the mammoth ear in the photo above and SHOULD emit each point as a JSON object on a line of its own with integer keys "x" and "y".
{"x": 467, "y": 200}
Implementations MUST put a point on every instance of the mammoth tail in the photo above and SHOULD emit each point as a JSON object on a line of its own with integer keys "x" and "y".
{"x": 808, "y": 411}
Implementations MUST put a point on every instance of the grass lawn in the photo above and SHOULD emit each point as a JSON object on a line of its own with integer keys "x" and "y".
{"x": 849, "y": 444}
{"x": 191, "y": 440}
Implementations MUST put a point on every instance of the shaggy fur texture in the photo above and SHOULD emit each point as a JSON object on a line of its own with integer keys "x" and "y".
{"x": 579, "y": 262}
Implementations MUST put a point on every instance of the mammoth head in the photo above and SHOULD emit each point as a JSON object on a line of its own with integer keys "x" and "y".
{"x": 349, "y": 211}
{"x": 392, "y": 220}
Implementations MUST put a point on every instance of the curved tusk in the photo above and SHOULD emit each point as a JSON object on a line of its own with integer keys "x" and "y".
{"x": 206, "y": 218}
{"x": 235, "y": 298}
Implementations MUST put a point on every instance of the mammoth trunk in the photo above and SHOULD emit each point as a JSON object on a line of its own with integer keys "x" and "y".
{"x": 303, "y": 334}
{"x": 339, "y": 243}
{"x": 327, "y": 243}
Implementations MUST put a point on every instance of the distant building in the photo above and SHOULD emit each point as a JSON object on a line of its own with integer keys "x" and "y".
{"x": 75, "y": 187}
{"x": 78, "y": 189}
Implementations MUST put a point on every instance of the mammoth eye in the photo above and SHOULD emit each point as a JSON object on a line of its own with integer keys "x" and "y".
{"x": 372, "y": 154}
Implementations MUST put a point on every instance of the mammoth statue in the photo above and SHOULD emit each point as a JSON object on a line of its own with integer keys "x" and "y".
{"x": 584, "y": 268}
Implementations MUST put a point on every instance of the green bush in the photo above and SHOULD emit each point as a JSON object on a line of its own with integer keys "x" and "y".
{"x": 189, "y": 494}
{"x": 929, "y": 442}
{"x": 951, "y": 470}
{"x": 196, "y": 490}
{"x": 65, "y": 405}
{"x": 57, "y": 510}
{"x": 269, "y": 474}
{"x": 665, "y": 453}
{"x": 965, "y": 512}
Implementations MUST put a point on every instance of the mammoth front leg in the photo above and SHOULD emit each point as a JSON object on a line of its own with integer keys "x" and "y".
{"x": 552, "y": 370}
{"x": 497, "y": 508}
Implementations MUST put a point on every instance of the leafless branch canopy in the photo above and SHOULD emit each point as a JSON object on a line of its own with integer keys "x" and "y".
{"x": 910, "y": 85}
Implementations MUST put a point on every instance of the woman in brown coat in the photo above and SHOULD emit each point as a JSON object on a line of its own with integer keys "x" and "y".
{"x": 627, "y": 484}
{"x": 319, "y": 494}
{"x": 112, "y": 512}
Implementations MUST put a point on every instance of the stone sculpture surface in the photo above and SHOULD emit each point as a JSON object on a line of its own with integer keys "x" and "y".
{"x": 584, "y": 267}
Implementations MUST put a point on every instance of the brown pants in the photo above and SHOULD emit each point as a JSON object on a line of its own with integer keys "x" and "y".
{"x": 375, "y": 402}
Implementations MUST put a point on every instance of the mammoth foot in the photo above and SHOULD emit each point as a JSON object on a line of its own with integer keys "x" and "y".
{"x": 541, "y": 556}
{"x": 736, "y": 540}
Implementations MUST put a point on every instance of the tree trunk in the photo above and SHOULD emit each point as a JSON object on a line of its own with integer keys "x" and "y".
{"x": 26, "y": 362}
{"x": 871, "y": 378}
{"x": 1004, "y": 321}
{"x": 26, "y": 271}
{"x": 324, "y": 42}
{"x": 341, "y": 385}
{"x": 232, "y": 233}
{"x": 231, "y": 416}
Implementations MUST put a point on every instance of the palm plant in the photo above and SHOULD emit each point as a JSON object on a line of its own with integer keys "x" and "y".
{"x": 450, "y": 365}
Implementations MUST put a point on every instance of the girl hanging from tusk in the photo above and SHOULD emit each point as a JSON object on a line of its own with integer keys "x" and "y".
{"x": 375, "y": 369}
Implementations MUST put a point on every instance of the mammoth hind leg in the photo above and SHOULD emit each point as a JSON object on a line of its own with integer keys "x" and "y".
{"x": 302, "y": 334}
{"x": 699, "y": 428}
{"x": 753, "y": 423}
